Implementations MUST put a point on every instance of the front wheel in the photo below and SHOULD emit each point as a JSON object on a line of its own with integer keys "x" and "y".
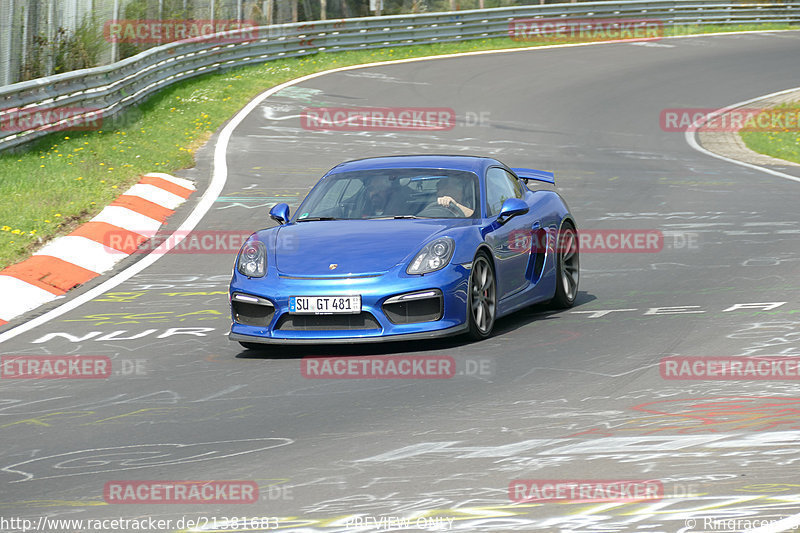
{"x": 567, "y": 267}
{"x": 482, "y": 298}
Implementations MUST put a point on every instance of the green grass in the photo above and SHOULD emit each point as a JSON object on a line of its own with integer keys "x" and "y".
{"x": 66, "y": 178}
{"x": 783, "y": 143}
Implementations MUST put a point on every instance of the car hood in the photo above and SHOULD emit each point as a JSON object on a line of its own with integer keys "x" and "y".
{"x": 356, "y": 247}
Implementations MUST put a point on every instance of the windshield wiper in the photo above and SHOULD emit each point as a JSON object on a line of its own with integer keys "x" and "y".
{"x": 393, "y": 217}
{"x": 309, "y": 219}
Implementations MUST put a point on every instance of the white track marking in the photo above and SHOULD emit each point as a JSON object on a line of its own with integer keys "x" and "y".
{"x": 83, "y": 252}
{"x": 20, "y": 297}
{"x": 157, "y": 195}
{"x": 691, "y": 136}
{"x": 183, "y": 182}
{"x": 125, "y": 218}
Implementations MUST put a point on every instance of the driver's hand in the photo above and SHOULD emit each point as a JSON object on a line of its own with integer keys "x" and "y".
{"x": 445, "y": 200}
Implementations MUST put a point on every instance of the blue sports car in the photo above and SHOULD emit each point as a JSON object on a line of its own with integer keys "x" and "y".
{"x": 406, "y": 247}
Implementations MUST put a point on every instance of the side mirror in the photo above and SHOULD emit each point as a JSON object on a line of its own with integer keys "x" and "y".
{"x": 511, "y": 208}
{"x": 279, "y": 213}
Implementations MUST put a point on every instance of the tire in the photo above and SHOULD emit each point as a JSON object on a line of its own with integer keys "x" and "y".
{"x": 481, "y": 298}
{"x": 252, "y": 345}
{"x": 567, "y": 267}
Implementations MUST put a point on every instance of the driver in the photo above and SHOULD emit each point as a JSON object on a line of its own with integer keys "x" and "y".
{"x": 450, "y": 193}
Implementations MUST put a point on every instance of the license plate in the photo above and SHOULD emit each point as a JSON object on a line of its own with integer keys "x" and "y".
{"x": 324, "y": 305}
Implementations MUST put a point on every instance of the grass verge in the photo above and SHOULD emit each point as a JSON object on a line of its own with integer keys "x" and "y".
{"x": 66, "y": 178}
{"x": 783, "y": 142}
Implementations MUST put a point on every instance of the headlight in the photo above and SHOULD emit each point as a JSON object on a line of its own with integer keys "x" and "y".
{"x": 253, "y": 259}
{"x": 433, "y": 257}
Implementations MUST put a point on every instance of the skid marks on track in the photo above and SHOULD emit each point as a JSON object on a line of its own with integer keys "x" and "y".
{"x": 119, "y": 458}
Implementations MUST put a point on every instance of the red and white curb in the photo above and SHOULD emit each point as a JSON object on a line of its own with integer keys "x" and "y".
{"x": 69, "y": 261}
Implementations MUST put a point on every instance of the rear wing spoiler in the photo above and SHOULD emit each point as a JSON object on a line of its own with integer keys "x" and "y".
{"x": 526, "y": 174}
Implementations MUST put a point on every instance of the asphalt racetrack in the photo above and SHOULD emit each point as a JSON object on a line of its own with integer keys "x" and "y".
{"x": 568, "y": 395}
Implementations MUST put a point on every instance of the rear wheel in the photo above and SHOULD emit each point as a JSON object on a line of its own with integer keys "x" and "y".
{"x": 567, "y": 267}
{"x": 482, "y": 298}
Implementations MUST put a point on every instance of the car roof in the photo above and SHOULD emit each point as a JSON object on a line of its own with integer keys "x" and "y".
{"x": 467, "y": 163}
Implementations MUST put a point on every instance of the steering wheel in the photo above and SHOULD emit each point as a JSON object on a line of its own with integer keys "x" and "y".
{"x": 435, "y": 209}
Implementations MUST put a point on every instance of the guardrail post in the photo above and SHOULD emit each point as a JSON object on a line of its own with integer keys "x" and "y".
{"x": 8, "y": 43}
{"x": 51, "y": 37}
{"x": 114, "y": 43}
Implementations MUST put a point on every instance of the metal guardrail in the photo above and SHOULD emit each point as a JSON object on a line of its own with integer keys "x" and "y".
{"x": 108, "y": 90}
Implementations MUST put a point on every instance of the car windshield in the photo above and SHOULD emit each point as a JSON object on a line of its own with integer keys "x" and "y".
{"x": 393, "y": 193}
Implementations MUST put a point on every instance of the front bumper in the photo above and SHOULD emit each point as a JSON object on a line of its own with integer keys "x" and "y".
{"x": 278, "y": 326}
{"x": 449, "y": 332}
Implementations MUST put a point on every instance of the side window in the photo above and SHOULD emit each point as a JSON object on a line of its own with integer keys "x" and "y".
{"x": 332, "y": 196}
{"x": 353, "y": 187}
{"x": 500, "y": 186}
{"x": 338, "y": 193}
{"x": 519, "y": 189}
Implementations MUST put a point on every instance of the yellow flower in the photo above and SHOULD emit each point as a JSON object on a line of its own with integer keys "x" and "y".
{"x": 47, "y": 221}
{"x": 16, "y": 232}
{"x": 5, "y": 228}
{"x": 58, "y": 214}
